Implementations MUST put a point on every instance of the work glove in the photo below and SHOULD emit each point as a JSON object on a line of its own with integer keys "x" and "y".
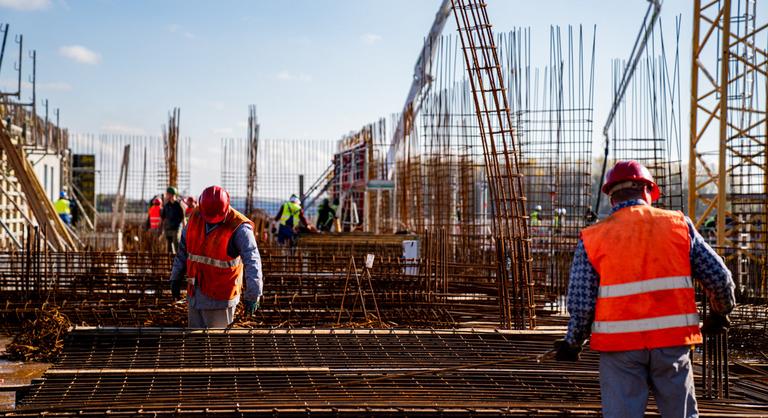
{"x": 715, "y": 323}
{"x": 176, "y": 288}
{"x": 566, "y": 351}
{"x": 250, "y": 307}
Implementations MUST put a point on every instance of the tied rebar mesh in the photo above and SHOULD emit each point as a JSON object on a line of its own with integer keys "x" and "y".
{"x": 283, "y": 167}
{"x": 505, "y": 183}
{"x": 147, "y": 172}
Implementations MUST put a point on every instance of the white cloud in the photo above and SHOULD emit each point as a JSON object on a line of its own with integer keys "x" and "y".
{"x": 119, "y": 128}
{"x": 178, "y": 29}
{"x": 79, "y": 54}
{"x": 289, "y": 76}
{"x": 370, "y": 38}
{"x": 26, "y": 5}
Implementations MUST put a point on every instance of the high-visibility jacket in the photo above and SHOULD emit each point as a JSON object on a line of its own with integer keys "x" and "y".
{"x": 62, "y": 207}
{"x": 154, "y": 217}
{"x": 646, "y": 297}
{"x": 291, "y": 211}
{"x": 217, "y": 275}
{"x": 535, "y": 221}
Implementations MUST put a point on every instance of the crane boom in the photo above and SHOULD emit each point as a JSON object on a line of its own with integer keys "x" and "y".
{"x": 422, "y": 78}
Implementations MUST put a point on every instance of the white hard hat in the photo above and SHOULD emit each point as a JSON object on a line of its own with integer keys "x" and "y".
{"x": 538, "y": 207}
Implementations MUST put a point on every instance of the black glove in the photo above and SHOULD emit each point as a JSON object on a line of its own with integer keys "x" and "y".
{"x": 715, "y": 323}
{"x": 176, "y": 288}
{"x": 250, "y": 307}
{"x": 566, "y": 351}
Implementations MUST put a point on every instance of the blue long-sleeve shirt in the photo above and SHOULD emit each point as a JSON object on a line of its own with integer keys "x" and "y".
{"x": 706, "y": 266}
{"x": 243, "y": 244}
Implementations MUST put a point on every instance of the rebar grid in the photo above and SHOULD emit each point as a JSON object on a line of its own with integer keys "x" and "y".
{"x": 147, "y": 175}
{"x": 277, "y": 169}
{"x": 648, "y": 124}
{"x": 357, "y": 370}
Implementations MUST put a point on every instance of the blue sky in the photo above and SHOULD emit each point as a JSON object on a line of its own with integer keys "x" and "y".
{"x": 314, "y": 68}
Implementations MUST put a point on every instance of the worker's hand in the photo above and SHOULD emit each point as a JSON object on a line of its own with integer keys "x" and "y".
{"x": 176, "y": 288}
{"x": 566, "y": 351}
{"x": 250, "y": 307}
{"x": 715, "y": 323}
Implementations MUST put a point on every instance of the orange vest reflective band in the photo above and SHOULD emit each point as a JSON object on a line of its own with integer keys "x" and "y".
{"x": 217, "y": 275}
{"x": 646, "y": 296}
{"x": 154, "y": 217}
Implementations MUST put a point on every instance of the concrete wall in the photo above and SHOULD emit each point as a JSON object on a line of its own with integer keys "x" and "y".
{"x": 48, "y": 170}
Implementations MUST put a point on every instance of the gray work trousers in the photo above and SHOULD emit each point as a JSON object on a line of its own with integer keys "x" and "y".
{"x": 210, "y": 318}
{"x": 626, "y": 376}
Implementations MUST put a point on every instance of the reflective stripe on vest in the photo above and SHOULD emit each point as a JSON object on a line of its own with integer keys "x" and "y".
{"x": 648, "y": 324}
{"x": 646, "y": 297}
{"x": 645, "y": 286}
{"x": 223, "y": 264}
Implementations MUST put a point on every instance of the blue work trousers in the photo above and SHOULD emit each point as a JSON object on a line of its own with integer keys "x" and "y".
{"x": 627, "y": 376}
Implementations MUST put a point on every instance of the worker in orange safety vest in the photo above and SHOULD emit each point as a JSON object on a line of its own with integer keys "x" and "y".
{"x": 631, "y": 287}
{"x": 154, "y": 214}
{"x": 217, "y": 248}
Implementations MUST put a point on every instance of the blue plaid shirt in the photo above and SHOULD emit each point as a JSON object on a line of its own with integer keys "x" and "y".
{"x": 706, "y": 266}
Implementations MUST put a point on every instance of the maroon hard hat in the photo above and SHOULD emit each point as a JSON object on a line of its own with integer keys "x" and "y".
{"x": 628, "y": 172}
{"x": 156, "y": 202}
{"x": 214, "y": 204}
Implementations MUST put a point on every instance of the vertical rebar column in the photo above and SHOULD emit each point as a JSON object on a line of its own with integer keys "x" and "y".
{"x": 510, "y": 227}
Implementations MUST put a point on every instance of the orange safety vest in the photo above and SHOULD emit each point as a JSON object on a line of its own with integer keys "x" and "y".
{"x": 646, "y": 297}
{"x": 217, "y": 275}
{"x": 154, "y": 217}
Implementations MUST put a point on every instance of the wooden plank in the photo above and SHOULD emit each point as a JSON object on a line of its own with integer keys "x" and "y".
{"x": 45, "y": 214}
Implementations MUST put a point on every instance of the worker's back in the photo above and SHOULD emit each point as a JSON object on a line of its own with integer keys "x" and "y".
{"x": 646, "y": 295}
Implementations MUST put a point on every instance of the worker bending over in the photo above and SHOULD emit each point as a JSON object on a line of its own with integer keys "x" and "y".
{"x": 216, "y": 247}
{"x": 290, "y": 219}
{"x": 326, "y": 214}
{"x": 631, "y": 281}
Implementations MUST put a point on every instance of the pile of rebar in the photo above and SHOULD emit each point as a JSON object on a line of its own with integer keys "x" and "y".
{"x": 330, "y": 372}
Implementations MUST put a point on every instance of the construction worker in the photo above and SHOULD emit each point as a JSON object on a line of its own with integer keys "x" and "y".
{"x": 154, "y": 218}
{"x": 558, "y": 219}
{"x": 536, "y": 216}
{"x": 631, "y": 282}
{"x": 191, "y": 205}
{"x": 326, "y": 214}
{"x": 173, "y": 219}
{"x": 217, "y": 248}
{"x": 290, "y": 218}
{"x": 64, "y": 208}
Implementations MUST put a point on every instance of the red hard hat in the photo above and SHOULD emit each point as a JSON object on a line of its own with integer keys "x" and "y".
{"x": 214, "y": 204}
{"x": 630, "y": 171}
{"x": 156, "y": 202}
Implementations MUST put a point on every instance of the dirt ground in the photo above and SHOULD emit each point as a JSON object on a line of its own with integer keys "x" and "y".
{"x": 14, "y": 373}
